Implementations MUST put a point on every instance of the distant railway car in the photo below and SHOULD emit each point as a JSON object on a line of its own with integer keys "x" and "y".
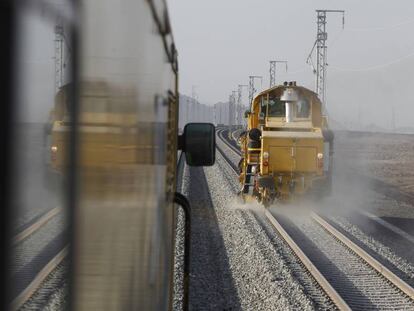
{"x": 287, "y": 148}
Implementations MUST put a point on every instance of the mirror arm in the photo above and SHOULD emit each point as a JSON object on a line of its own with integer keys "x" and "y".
{"x": 181, "y": 142}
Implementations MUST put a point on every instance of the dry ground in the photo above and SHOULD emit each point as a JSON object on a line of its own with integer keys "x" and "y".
{"x": 387, "y": 157}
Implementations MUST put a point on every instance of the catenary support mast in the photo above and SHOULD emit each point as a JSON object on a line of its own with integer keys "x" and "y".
{"x": 252, "y": 89}
{"x": 272, "y": 70}
{"x": 321, "y": 52}
{"x": 240, "y": 108}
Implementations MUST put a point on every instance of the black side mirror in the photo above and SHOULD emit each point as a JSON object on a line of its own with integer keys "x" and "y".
{"x": 246, "y": 113}
{"x": 198, "y": 141}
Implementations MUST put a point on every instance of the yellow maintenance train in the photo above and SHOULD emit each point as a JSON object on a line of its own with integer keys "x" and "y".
{"x": 287, "y": 148}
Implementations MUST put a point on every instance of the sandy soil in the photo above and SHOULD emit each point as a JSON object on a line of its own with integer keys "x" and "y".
{"x": 387, "y": 157}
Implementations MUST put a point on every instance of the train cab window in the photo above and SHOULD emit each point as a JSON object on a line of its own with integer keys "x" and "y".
{"x": 276, "y": 108}
{"x": 262, "y": 111}
{"x": 263, "y": 104}
{"x": 303, "y": 109}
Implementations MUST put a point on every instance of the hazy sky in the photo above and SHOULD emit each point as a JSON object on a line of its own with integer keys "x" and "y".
{"x": 221, "y": 43}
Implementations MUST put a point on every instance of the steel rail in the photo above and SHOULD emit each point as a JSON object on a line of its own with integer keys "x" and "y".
{"x": 41, "y": 276}
{"x": 237, "y": 151}
{"x": 233, "y": 166}
{"x": 233, "y": 134}
{"x": 28, "y": 292}
{"x": 220, "y": 135}
{"x": 316, "y": 274}
{"x": 35, "y": 226}
{"x": 389, "y": 226}
{"x": 371, "y": 261}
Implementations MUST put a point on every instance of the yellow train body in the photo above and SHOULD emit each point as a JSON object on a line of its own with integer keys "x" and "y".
{"x": 287, "y": 148}
{"x": 111, "y": 136}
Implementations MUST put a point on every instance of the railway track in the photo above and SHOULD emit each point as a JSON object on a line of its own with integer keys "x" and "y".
{"x": 29, "y": 281}
{"x": 31, "y": 276}
{"x": 352, "y": 278}
{"x": 225, "y": 138}
{"x": 36, "y": 225}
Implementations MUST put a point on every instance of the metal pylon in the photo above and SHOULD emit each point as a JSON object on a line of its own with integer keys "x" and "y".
{"x": 321, "y": 52}
{"x": 59, "y": 55}
{"x": 272, "y": 70}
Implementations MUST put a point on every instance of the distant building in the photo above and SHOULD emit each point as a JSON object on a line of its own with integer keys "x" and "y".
{"x": 221, "y": 113}
{"x": 192, "y": 110}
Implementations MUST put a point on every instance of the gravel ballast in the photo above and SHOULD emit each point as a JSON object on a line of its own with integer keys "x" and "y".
{"x": 237, "y": 260}
{"x": 53, "y": 294}
{"x": 387, "y": 256}
{"x": 358, "y": 283}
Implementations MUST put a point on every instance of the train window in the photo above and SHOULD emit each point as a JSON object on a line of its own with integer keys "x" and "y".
{"x": 39, "y": 224}
{"x": 276, "y": 108}
{"x": 303, "y": 109}
{"x": 263, "y": 104}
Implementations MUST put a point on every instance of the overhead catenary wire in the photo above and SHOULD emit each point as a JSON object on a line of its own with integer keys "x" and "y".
{"x": 382, "y": 28}
{"x": 337, "y": 37}
{"x": 302, "y": 69}
{"x": 375, "y": 67}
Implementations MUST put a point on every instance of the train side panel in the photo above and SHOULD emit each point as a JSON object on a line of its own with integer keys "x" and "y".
{"x": 127, "y": 158}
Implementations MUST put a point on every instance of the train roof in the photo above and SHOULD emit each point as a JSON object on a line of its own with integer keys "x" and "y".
{"x": 287, "y": 85}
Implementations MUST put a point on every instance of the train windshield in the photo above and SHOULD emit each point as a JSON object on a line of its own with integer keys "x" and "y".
{"x": 302, "y": 109}
{"x": 276, "y": 108}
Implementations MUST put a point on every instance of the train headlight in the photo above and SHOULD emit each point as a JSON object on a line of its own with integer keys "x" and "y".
{"x": 265, "y": 158}
{"x": 53, "y": 153}
{"x": 320, "y": 160}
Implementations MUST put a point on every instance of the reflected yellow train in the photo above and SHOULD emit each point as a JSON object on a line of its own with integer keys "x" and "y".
{"x": 127, "y": 142}
{"x": 287, "y": 149}
{"x": 109, "y": 126}
{"x": 126, "y": 167}
{"x": 112, "y": 138}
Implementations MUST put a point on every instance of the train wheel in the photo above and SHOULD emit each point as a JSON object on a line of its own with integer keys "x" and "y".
{"x": 247, "y": 179}
{"x": 265, "y": 200}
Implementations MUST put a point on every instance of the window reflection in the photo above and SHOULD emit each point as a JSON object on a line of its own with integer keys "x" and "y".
{"x": 40, "y": 224}
{"x": 276, "y": 107}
